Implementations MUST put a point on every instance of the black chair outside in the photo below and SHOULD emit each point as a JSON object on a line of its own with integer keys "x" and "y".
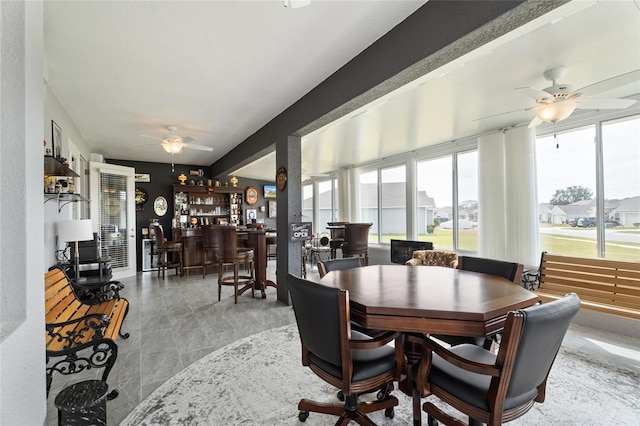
{"x": 336, "y": 229}
{"x": 164, "y": 248}
{"x": 352, "y": 362}
{"x": 210, "y": 248}
{"x": 230, "y": 255}
{"x": 495, "y": 388}
{"x": 509, "y": 270}
{"x": 356, "y": 240}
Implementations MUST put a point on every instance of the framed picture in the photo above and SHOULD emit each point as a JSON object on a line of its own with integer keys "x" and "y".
{"x": 252, "y": 214}
{"x": 56, "y": 137}
{"x": 142, "y": 177}
{"x": 251, "y": 195}
{"x": 269, "y": 191}
{"x": 273, "y": 209}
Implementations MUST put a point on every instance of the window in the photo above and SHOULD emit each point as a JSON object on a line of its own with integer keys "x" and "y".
{"x": 393, "y": 205}
{"x": 368, "y": 192}
{"x": 467, "y": 211}
{"x": 434, "y": 201}
{"x": 307, "y": 203}
{"x": 621, "y": 188}
{"x": 325, "y": 205}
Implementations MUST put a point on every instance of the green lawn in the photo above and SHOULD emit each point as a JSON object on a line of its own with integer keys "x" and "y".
{"x": 557, "y": 244}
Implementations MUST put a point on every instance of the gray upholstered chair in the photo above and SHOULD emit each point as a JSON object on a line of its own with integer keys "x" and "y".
{"x": 352, "y": 362}
{"x": 495, "y": 388}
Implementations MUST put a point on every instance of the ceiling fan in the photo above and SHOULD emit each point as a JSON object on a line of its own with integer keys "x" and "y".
{"x": 173, "y": 143}
{"x": 559, "y": 101}
{"x": 304, "y": 175}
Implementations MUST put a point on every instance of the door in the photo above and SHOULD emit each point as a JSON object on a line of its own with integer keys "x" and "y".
{"x": 113, "y": 215}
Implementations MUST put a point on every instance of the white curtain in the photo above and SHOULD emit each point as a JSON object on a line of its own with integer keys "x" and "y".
{"x": 491, "y": 196}
{"x": 522, "y": 196}
{"x": 344, "y": 189}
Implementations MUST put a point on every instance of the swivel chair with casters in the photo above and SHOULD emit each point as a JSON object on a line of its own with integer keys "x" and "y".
{"x": 514, "y": 379}
{"x": 230, "y": 255}
{"x": 356, "y": 240}
{"x": 509, "y": 270}
{"x": 353, "y": 362}
{"x": 164, "y": 248}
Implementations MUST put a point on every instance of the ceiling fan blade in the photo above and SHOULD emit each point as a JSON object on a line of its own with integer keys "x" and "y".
{"x": 499, "y": 114}
{"x": 198, "y": 147}
{"x": 534, "y": 122}
{"x": 188, "y": 139}
{"x": 534, "y": 93}
{"x": 151, "y": 137}
{"x": 611, "y": 83}
{"x": 604, "y": 103}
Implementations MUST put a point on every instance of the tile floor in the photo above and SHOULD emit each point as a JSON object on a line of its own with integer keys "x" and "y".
{"x": 176, "y": 321}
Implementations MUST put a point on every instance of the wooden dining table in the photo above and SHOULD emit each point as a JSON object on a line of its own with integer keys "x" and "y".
{"x": 429, "y": 299}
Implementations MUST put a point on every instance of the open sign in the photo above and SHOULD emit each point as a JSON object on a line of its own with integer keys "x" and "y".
{"x": 300, "y": 231}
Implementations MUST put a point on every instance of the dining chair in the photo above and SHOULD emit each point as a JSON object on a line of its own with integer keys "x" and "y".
{"x": 325, "y": 266}
{"x": 230, "y": 255}
{"x": 494, "y": 388}
{"x": 163, "y": 248}
{"x": 351, "y": 361}
{"x": 336, "y": 230}
{"x": 356, "y": 240}
{"x": 509, "y": 270}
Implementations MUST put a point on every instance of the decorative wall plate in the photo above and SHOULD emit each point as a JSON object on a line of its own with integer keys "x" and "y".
{"x": 160, "y": 206}
{"x": 252, "y": 195}
{"x": 281, "y": 178}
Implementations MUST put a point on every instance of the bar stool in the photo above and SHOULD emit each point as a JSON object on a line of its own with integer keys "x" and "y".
{"x": 356, "y": 240}
{"x": 337, "y": 237}
{"x": 210, "y": 247}
{"x": 163, "y": 247}
{"x": 232, "y": 255}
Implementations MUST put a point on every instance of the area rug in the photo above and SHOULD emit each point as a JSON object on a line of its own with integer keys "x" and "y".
{"x": 260, "y": 379}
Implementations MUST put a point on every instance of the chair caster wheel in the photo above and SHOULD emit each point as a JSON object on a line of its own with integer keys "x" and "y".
{"x": 303, "y": 415}
{"x": 388, "y": 412}
{"x": 340, "y": 396}
{"x": 431, "y": 421}
{"x": 112, "y": 395}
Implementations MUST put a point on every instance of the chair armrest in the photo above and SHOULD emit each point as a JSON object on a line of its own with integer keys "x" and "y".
{"x": 103, "y": 321}
{"x": 374, "y": 342}
{"x": 429, "y": 346}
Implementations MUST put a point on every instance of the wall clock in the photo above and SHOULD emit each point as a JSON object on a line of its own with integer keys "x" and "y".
{"x": 160, "y": 206}
{"x": 281, "y": 178}
{"x": 252, "y": 195}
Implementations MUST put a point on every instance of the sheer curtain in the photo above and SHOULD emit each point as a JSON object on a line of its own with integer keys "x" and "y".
{"x": 522, "y": 195}
{"x": 507, "y": 199}
{"x": 492, "y": 196}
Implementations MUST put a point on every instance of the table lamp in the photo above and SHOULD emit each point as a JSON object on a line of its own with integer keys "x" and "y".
{"x": 74, "y": 231}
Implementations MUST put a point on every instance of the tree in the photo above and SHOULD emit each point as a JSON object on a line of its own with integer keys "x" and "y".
{"x": 562, "y": 197}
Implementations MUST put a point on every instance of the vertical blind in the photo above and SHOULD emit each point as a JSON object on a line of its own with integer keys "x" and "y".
{"x": 113, "y": 218}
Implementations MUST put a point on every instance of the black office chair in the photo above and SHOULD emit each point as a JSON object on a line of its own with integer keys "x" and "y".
{"x": 351, "y": 361}
{"x": 494, "y": 388}
{"x": 509, "y": 270}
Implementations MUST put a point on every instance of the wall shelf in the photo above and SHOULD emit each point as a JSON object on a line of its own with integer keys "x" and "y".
{"x": 53, "y": 167}
{"x": 64, "y": 198}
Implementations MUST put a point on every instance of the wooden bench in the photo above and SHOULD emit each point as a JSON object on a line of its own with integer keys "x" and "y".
{"x": 72, "y": 326}
{"x": 608, "y": 286}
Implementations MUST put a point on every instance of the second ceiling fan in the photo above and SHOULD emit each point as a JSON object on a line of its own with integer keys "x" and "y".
{"x": 173, "y": 143}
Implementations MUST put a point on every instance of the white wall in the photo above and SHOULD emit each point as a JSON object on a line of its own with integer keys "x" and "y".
{"x": 22, "y": 353}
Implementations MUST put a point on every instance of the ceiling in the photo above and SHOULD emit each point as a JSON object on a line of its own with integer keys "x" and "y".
{"x": 122, "y": 69}
{"x": 218, "y": 70}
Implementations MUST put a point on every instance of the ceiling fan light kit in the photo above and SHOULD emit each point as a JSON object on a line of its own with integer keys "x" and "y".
{"x": 555, "y": 112}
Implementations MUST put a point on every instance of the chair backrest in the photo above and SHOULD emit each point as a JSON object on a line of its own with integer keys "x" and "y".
{"x": 325, "y": 266}
{"x": 337, "y": 233}
{"x": 356, "y": 236}
{"x": 159, "y": 235}
{"x": 543, "y": 328}
{"x": 321, "y": 315}
{"x": 510, "y": 270}
{"x": 228, "y": 242}
{"x": 211, "y": 236}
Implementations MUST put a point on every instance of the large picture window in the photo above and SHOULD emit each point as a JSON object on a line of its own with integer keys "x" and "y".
{"x": 434, "y": 201}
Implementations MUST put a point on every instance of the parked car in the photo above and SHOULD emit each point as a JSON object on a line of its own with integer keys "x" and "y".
{"x": 573, "y": 222}
{"x": 610, "y": 223}
{"x": 587, "y": 222}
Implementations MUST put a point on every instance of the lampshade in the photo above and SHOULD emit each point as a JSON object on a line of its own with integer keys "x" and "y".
{"x": 172, "y": 147}
{"x": 75, "y": 230}
{"x": 556, "y": 111}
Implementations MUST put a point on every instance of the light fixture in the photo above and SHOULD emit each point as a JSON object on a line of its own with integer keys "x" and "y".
{"x": 294, "y": 4}
{"x": 72, "y": 231}
{"x": 556, "y": 111}
{"x": 172, "y": 147}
